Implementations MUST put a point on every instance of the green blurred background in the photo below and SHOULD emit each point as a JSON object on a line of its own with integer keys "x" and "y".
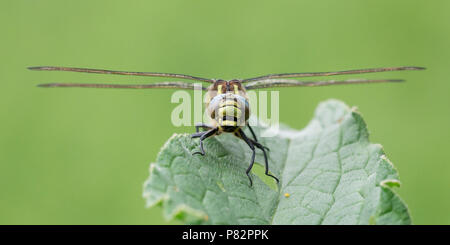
{"x": 80, "y": 156}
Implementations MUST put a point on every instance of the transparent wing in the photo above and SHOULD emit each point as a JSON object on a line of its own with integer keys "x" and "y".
{"x": 295, "y": 83}
{"x": 177, "y": 85}
{"x": 332, "y": 73}
{"x": 131, "y": 73}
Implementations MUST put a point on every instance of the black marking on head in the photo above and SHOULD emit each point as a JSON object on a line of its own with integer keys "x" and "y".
{"x": 229, "y": 129}
{"x": 230, "y": 118}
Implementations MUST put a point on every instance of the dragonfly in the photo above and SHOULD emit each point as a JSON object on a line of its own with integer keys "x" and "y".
{"x": 226, "y": 100}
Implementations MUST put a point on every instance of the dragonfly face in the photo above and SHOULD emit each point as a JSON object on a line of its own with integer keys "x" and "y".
{"x": 227, "y": 105}
{"x": 227, "y": 101}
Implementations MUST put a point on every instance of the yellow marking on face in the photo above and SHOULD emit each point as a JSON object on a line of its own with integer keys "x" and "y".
{"x": 229, "y": 102}
{"x": 219, "y": 89}
{"x": 229, "y": 123}
{"x": 229, "y": 111}
{"x": 236, "y": 89}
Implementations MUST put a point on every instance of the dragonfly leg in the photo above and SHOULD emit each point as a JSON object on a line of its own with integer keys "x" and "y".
{"x": 203, "y": 136}
{"x": 252, "y": 144}
{"x": 249, "y": 142}
{"x": 265, "y": 160}
{"x": 202, "y": 125}
{"x": 254, "y": 137}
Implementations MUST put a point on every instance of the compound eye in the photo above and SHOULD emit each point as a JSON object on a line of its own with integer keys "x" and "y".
{"x": 242, "y": 101}
{"x": 214, "y": 104}
{"x": 243, "y": 105}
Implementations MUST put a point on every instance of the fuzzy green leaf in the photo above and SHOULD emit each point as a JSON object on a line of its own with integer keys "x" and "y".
{"x": 329, "y": 174}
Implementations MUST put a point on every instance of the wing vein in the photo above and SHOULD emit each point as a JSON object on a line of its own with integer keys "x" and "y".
{"x": 179, "y": 85}
{"x": 295, "y": 83}
{"x": 130, "y": 73}
{"x": 332, "y": 73}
